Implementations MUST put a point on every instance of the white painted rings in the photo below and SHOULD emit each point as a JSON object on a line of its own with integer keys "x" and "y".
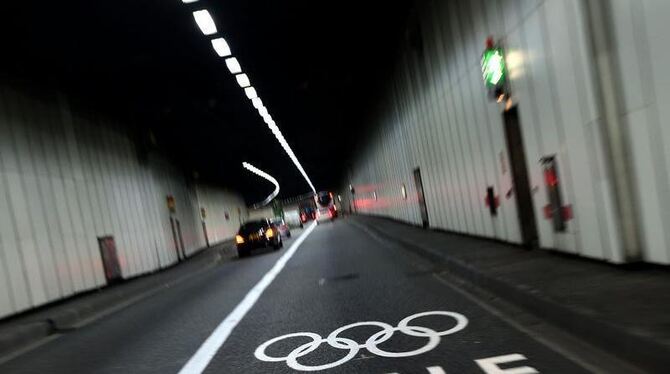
{"x": 371, "y": 344}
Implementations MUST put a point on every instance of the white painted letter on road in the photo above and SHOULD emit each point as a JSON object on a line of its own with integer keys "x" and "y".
{"x": 433, "y": 370}
{"x": 490, "y": 365}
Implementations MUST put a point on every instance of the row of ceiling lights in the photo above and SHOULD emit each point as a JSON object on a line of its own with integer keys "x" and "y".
{"x": 207, "y": 25}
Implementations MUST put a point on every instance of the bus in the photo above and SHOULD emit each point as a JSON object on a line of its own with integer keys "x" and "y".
{"x": 325, "y": 206}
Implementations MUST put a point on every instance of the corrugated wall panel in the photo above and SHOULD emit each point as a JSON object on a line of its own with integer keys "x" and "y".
{"x": 640, "y": 30}
{"x": 455, "y": 134}
{"x": 67, "y": 178}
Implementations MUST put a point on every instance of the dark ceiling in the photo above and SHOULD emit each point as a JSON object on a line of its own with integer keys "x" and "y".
{"x": 315, "y": 64}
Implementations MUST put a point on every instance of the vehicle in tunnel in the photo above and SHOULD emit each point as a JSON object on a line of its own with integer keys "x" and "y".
{"x": 324, "y": 214}
{"x": 307, "y": 213}
{"x": 257, "y": 234}
{"x": 325, "y": 206}
{"x": 282, "y": 226}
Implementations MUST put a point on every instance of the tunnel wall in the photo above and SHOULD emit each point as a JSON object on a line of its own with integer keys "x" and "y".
{"x": 640, "y": 29}
{"x": 68, "y": 177}
{"x": 437, "y": 116}
{"x": 225, "y": 211}
{"x": 260, "y": 213}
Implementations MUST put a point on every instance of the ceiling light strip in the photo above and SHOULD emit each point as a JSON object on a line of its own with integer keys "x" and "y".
{"x": 267, "y": 177}
{"x": 205, "y": 22}
{"x": 208, "y": 27}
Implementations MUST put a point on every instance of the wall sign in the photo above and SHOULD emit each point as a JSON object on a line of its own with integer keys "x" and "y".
{"x": 494, "y": 70}
{"x": 493, "y": 67}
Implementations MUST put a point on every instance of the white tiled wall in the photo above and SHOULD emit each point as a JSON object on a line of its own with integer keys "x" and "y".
{"x": 67, "y": 178}
{"x": 641, "y": 31}
{"x": 436, "y": 115}
{"x": 217, "y": 203}
{"x": 261, "y": 213}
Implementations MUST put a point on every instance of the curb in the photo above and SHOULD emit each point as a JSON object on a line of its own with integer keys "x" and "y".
{"x": 644, "y": 353}
{"x": 18, "y": 337}
{"x": 24, "y": 335}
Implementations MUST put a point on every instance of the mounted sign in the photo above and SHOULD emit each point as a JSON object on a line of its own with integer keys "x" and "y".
{"x": 494, "y": 71}
{"x": 555, "y": 210}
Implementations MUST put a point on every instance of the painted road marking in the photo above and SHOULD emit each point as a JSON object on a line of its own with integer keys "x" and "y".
{"x": 433, "y": 370}
{"x": 202, "y": 357}
{"x": 490, "y": 366}
{"x": 371, "y": 344}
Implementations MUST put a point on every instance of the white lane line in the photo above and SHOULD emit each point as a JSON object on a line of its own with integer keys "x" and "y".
{"x": 198, "y": 363}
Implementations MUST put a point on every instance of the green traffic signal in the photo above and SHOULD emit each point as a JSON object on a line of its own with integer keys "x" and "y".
{"x": 493, "y": 67}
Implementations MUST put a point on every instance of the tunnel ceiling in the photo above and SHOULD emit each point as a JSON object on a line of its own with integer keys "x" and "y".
{"x": 317, "y": 66}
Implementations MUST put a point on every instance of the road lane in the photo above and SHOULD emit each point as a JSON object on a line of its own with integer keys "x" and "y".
{"x": 156, "y": 335}
{"x": 339, "y": 276}
{"x": 200, "y": 360}
{"x": 342, "y": 276}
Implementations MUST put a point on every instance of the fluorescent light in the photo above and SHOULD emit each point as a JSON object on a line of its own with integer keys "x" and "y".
{"x": 233, "y": 65}
{"x": 221, "y": 47}
{"x": 205, "y": 22}
{"x": 243, "y": 80}
{"x": 251, "y": 92}
{"x": 188, "y": 1}
{"x": 287, "y": 148}
{"x": 267, "y": 177}
{"x": 263, "y": 111}
{"x": 257, "y": 102}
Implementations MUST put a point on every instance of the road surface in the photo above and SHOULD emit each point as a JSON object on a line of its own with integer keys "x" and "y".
{"x": 342, "y": 301}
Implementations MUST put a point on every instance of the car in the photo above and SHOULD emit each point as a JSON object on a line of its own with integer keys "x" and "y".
{"x": 283, "y": 228}
{"x": 256, "y": 234}
{"x": 307, "y": 214}
{"x": 324, "y": 214}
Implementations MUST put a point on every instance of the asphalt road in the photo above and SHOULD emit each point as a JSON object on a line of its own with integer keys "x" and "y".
{"x": 340, "y": 275}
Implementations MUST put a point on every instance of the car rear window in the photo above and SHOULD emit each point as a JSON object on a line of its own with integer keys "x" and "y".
{"x": 250, "y": 227}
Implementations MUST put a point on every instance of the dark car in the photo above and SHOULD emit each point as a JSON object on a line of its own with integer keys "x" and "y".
{"x": 307, "y": 214}
{"x": 257, "y": 234}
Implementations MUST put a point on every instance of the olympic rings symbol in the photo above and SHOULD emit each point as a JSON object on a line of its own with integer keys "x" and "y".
{"x": 371, "y": 344}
